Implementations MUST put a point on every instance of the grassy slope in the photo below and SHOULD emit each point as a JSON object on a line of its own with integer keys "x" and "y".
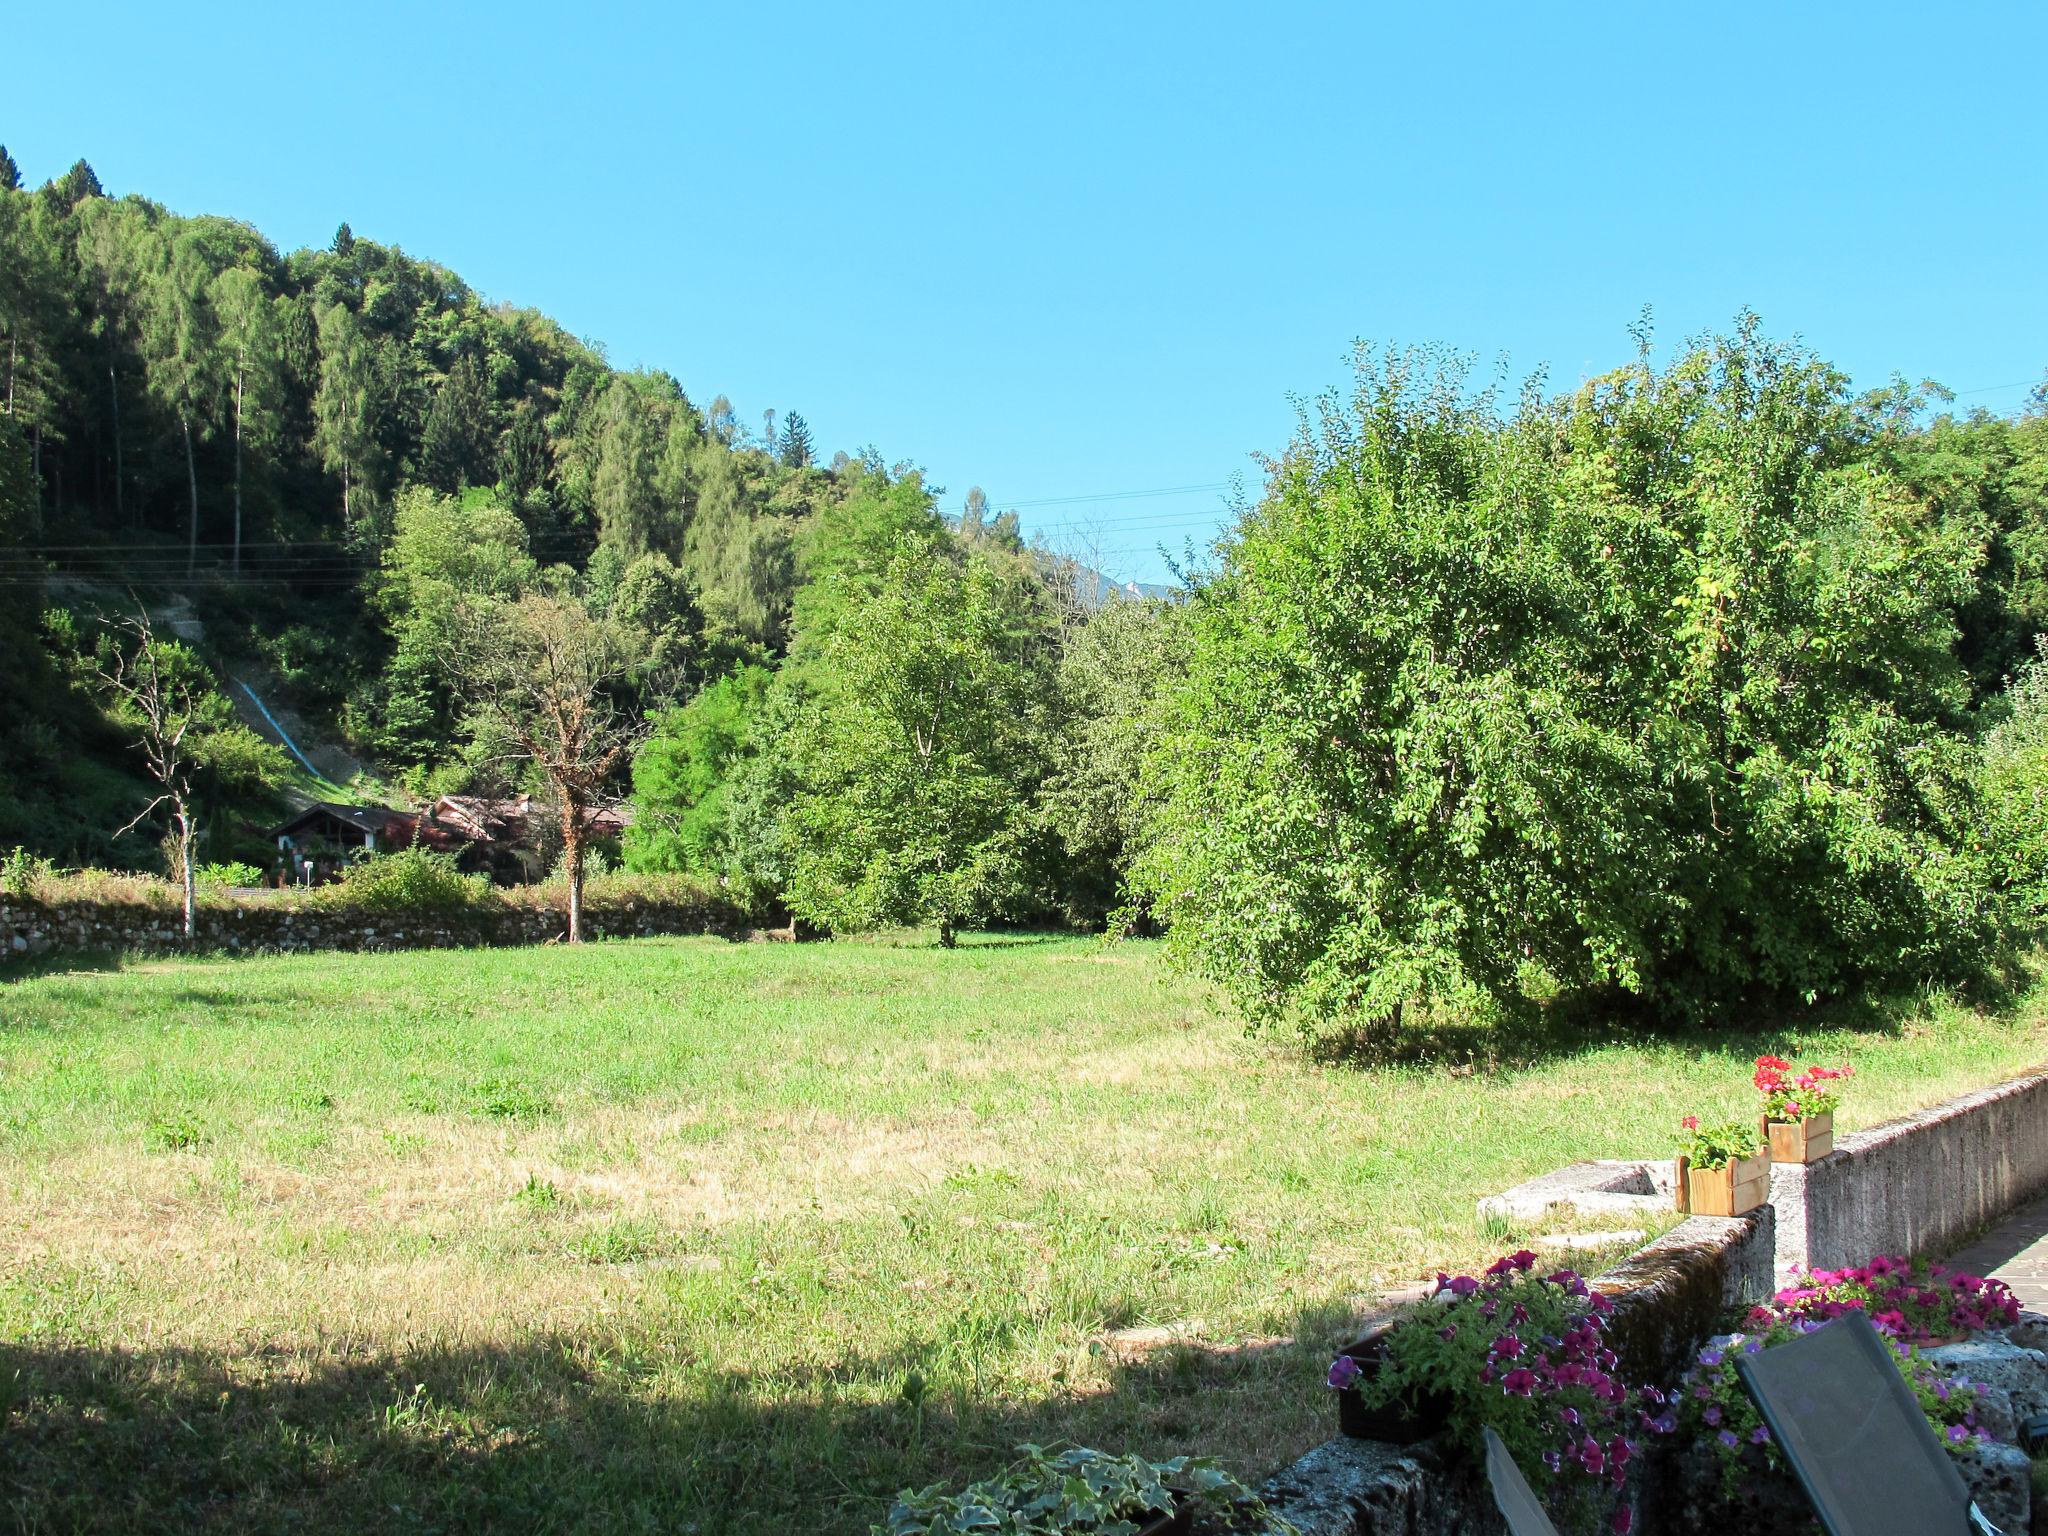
{"x": 670, "y": 1235}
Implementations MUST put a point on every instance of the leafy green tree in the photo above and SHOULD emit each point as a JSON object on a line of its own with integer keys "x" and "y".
{"x": 684, "y": 775}
{"x": 10, "y": 173}
{"x": 918, "y": 757}
{"x": 1986, "y": 477}
{"x": 1644, "y": 687}
{"x": 1114, "y": 670}
{"x": 442, "y": 551}
{"x": 2015, "y": 770}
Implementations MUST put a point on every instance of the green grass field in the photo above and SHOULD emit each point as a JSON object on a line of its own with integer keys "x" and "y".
{"x": 683, "y": 1235}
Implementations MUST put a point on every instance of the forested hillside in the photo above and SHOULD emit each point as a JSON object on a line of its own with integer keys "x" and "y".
{"x": 307, "y": 446}
{"x": 1699, "y": 679}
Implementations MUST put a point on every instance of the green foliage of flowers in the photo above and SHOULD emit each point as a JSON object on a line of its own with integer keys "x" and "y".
{"x": 231, "y": 873}
{"x": 1707, "y": 1147}
{"x": 1046, "y": 1493}
{"x": 1712, "y": 1405}
{"x": 1525, "y": 1355}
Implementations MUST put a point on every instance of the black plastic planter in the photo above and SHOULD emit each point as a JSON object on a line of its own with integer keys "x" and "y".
{"x": 1407, "y": 1419}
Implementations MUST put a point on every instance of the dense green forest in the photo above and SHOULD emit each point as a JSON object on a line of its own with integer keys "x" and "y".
{"x": 1699, "y": 679}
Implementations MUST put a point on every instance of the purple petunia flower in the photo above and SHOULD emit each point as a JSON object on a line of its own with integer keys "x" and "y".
{"x": 1760, "y": 1436}
{"x": 1710, "y": 1357}
{"x": 1957, "y": 1434}
{"x": 1343, "y": 1372}
{"x": 1713, "y": 1415}
{"x": 1727, "y": 1438}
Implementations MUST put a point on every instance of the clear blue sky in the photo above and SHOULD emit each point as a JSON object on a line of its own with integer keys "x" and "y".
{"x": 1061, "y": 251}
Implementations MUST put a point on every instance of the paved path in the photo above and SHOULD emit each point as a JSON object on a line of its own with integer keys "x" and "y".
{"x": 2015, "y": 1251}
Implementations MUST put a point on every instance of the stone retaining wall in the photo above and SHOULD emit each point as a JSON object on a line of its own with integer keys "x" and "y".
{"x": 30, "y": 928}
{"x": 1918, "y": 1184}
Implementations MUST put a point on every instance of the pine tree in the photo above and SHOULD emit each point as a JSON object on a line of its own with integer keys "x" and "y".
{"x": 10, "y": 173}
{"x": 455, "y": 443}
{"x": 796, "y": 442}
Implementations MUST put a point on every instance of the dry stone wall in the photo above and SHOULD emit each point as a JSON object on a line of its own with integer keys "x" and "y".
{"x": 29, "y": 928}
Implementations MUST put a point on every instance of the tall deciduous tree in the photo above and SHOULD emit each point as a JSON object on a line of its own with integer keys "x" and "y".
{"x": 159, "y": 691}
{"x": 552, "y": 684}
{"x": 918, "y": 756}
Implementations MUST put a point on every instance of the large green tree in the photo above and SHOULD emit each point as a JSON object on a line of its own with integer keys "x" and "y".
{"x": 919, "y": 754}
{"x": 1647, "y": 687}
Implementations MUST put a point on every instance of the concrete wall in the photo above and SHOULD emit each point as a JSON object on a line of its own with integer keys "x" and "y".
{"x": 1919, "y": 1184}
{"x": 30, "y": 928}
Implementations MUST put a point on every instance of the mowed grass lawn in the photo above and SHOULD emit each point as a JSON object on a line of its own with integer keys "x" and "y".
{"x": 691, "y": 1236}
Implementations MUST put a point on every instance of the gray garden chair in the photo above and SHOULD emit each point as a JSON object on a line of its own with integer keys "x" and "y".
{"x": 1855, "y": 1435}
{"x": 1512, "y": 1494}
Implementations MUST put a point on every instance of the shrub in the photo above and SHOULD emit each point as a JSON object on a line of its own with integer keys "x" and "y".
{"x": 232, "y": 873}
{"x": 409, "y": 880}
{"x": 22, "y": 874}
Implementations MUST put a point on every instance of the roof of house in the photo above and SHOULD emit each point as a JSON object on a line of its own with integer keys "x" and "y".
{"x": 396, "y": 829}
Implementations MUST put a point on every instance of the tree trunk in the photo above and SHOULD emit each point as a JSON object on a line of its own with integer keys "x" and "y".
{"x": 191, "y": 479}
{"x": 348, "y": 524}
{"x": 239, "y": 375}
{"x": 11, "y": 344}
{"x": 572, "y": 862}
{"x": 185, "y": 872}
{"x": 947, "y": 937}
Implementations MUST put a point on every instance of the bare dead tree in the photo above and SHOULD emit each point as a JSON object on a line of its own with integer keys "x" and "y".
{"x": 156, "y": 697}
{"x": 548, "y": 682}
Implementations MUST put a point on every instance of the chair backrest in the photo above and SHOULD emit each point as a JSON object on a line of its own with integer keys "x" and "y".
{"x": 1855, "y": 1434}
{"x": 1512, "y": 1494}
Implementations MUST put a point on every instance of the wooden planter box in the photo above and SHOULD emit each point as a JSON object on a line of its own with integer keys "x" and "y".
{"x": 1732, "y": 1191}
{"x": 1801, "y": 1141}
{"x": 1404, "y": 1421}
